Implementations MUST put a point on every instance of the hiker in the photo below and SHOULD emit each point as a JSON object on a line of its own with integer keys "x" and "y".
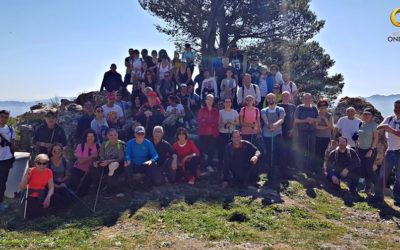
{"x": 174, "y": 116}
{"x": 248, "y": 88}
{"x": 249, "y": 118}
{"x": 391, "y": 126}
{"x": 240, "y": 162}
{"x": 324, "y": 133}
{"x": 194, "y": 103}
{"x": 61, "y": 175}
{"x": 128, "y": 64}
{"x": 85, "y": 120}
{"x": 110, "y": 164}
{"x": 276, "y": 74}
{"x": 167, "y": 158}
{"x": 124, "y": 105}
{"x": 164, "y": 67}
{"x": 348, "y": 126}
{"x": 273, "y": 117}
{"x": 228, "y": 86}
{"x": 208, "y": 118}
{"x": 142, "y": 157}
{"x": 99, "y": 124}
{"x": 189, "y": 56}
{"x": 254, "y": 68}
{"x": 48, "y": 134}
{"x": 188, "y": 158}
{"x": 135, "y": 67}
{"x": 236, "y": 59}
{"x": 306, "y": 118}
{"x": 287, "y": 131}
{"x": 343, "y": 164}
{"x": 221, "y": 73}
{"x": 151, "y": 113}
{"x": 150, "y": 80}
{"x": 112, "y": 80}
{"x": 111, "y": 108}
{"x": 165, "y": 88}
{"x": 183, "y": 74}
{"x": 262, "y": 82}
{"x": 7, "y": 143}
{"x": 289, "y": 86}
{"x": 86, "y": 153}
{"x": 217, "y": 64}
{"x": 39, "y": 185}
{"x": 367, "y": 143}
{"x": 228, "y": 120}
{"x": 209, "y": 86}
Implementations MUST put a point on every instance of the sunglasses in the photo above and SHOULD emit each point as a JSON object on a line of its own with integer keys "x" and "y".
{"x": 42, "y": 163}
{"x": 99, "y": 111}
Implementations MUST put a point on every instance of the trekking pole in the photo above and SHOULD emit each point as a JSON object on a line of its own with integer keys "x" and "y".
{"x": 252, "y": 132}
{"x": 78, "y": 199}
{"x": 272, "y": 152}
{"x": 98, "y": 189}
{"x": 26, "y": 200}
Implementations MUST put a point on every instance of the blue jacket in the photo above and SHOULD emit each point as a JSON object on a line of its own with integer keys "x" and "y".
{"x": 140, "y": 153}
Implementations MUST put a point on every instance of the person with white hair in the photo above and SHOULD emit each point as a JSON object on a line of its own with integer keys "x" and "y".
{"x": 348, "y": 126}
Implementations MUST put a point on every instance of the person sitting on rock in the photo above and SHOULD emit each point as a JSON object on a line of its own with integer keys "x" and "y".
{"x": 240, "y": 162}
{"x": 48, "y": 134}
{"x": 167, "y": 158}
{"x": 85, "y": 120}
{"x": 99, "y": 124}
{"x": 112, "y": 157}
{"x": 141, "y": 157}
{"x": 113, "y": 112}
{"x": 342, "y": 164}
{"x": 151, "y": 113}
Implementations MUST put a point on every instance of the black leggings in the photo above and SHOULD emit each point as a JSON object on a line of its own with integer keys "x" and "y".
{"x": 366, "y": 167}
{"x": 223, "y": 140}
{"x": 208, "y": 147}
{"x": 321, "y": 144}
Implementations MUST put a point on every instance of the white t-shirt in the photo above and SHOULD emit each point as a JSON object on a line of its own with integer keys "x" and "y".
{"x": 347, "y": 128}
{"x": 114, "y": 108}
{"x": 286, "y": 87}
{"x": 393, "y": 140}
{"x": 162, "y": 70}
{"x": 179, "y": 108}
{"x": 5, "y": 152}
{"x": 228, "y": 116}
{"x": 263, "y": 86}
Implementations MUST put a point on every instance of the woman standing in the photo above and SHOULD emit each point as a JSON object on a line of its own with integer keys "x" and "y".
{"x": 228, "y": 120}
{"x": 228, "y": 86}
{"x": 368, "y": 137}
{"x": 183, "y": 74}
{"x": 188, "y": 157}
{"x": 61, "y": 174}
{"x": 323, "y": 134}
{"x": 249, "y": 120}
{"x": 36, "y": 182}
{"x": 99, "y": 123}
{"x": 208, "y": 129}
{"x": 86, "y": 153}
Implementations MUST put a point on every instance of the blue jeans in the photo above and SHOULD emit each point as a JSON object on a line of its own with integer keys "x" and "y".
{"x": 392, "y": 159}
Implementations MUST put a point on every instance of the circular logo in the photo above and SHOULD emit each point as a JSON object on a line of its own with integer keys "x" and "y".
{"x": 393, "y": 17}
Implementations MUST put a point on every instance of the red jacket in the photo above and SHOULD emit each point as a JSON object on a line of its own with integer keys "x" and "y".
{"x": 184, "y": 151}
{"x": 208, "y": 121}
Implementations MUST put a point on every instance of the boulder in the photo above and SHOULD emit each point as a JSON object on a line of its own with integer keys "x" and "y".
{"x": 359, "y": 104}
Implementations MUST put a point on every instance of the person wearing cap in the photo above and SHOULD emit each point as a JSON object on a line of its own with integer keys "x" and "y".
{"x": 189, "y": 56}
{"x": 112, "y": 157}
{"x": 367, "y": 142}
{"x": 152, "y": 112}
{"x": 49, "y": 133}
{"x": 141, "y": 157}
{"x": 112, "y": 80}
{"x": 111, "y": 107}
{"x": 7, "y": 143}
{"x": 391, "y": 127}
{"x": 323, "y": 134}
{"x": 167, "y": 157}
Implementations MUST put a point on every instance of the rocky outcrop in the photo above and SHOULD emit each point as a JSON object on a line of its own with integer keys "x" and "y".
{"x": 359, "y": 104}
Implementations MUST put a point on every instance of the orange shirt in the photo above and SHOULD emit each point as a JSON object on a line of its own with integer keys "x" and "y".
{"x": 38, "y": 180}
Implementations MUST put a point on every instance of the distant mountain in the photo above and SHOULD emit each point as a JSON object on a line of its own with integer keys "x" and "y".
{"x": 19, "y": 107}
{"x": 383, "y": 103}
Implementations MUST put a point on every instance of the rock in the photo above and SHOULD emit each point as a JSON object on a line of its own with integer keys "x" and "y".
{"x": 73, "y": 107}
{"x": 38, "y": 106}
{"x": 359, "y": 104}
{"x": 95, "y": 97}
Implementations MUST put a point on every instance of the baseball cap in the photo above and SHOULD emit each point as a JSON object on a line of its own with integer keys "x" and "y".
{"x": 139, "y": 130}
{"x": 152, "y": 94}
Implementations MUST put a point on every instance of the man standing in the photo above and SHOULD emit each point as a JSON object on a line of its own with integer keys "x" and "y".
{"x": 342, "y": 164}
{"x": 236, "y": 59}
{"x": 142, "y": 157}
{"x": 306, "y": 118}
{"x": 248, "y": 88}
{"x": 167, "y": 158}
{"x": 7, "y": 138}
{"x": 348, "y": 126}
{"x": 289, "y": 86}
{"x": 273, "y": 117}
{"x": 391, "y": 125}
{"x": 189, "y": 55}
{"x": 112, "y": 80}
{"x": 240, "y": 162}
{"x": 48, "y": 134}
{"x": 85, "y": 120}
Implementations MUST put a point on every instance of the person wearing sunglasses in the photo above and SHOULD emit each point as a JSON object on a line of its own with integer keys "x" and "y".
{"x": 99, "y": 124}
{"x": 38, "y": 182}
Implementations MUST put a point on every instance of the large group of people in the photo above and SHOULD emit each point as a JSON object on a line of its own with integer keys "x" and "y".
{"x": 230, "y": 120}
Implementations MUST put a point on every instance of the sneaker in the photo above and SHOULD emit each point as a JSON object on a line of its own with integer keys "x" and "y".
{"x": 112, "y": 167}
{"x": 210, "y": 169}
{"x": 120, "y": 195}
{"x": 191, "y": 181}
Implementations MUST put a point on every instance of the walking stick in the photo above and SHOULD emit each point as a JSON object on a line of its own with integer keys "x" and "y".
{"x": 26, "y": 200}
{"x": 78, "y": 199}
{"x": 98, "y": 189}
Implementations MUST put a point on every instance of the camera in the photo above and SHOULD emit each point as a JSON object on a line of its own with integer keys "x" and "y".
{"x": 355, "y": 136}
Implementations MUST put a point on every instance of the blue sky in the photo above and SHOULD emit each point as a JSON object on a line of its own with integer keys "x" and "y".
{"x": 62, "y": 48}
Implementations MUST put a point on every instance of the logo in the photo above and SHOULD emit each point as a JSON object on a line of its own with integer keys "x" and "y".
{"x": 393, "y": 17}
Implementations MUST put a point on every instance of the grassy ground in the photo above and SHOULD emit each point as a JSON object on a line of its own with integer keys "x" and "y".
{"x": 303, "y": 215}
